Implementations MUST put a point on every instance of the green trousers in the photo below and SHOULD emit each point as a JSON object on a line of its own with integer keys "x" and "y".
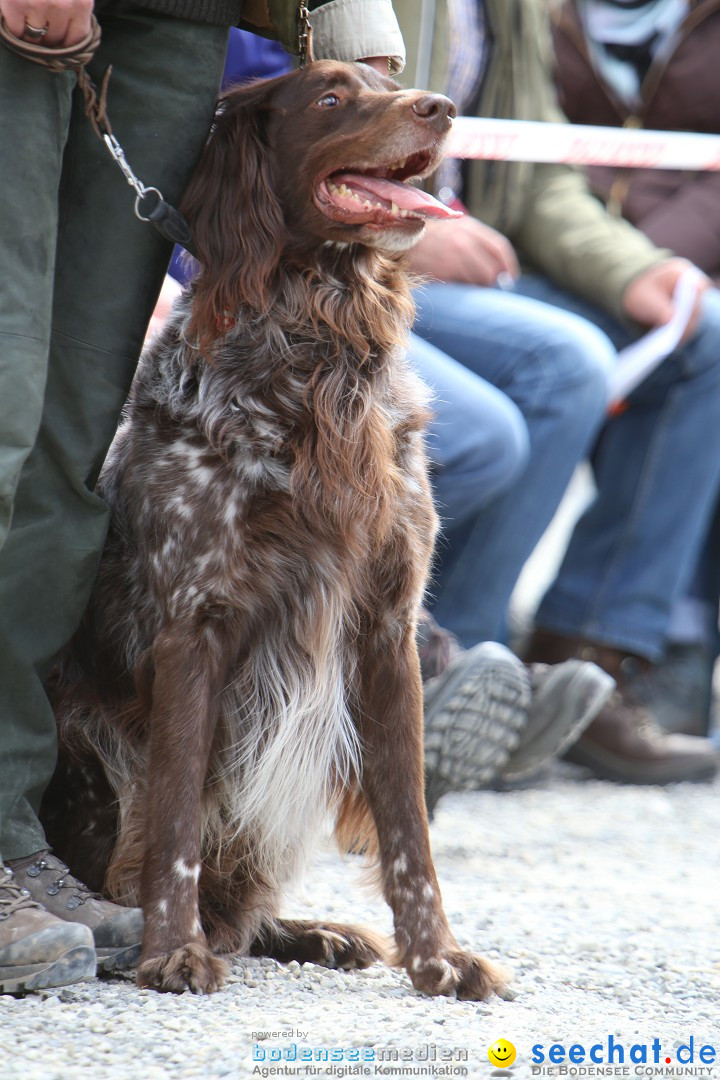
{"x": 79, "y": 276}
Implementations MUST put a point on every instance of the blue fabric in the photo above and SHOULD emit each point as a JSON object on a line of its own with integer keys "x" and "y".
{"x": 657, "y": 466}
{"x": 521, "y": 391}
{"x": 253, "y": 57}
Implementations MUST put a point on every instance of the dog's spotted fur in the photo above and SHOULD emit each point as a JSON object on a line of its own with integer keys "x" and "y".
{"x": 248, "y": 661}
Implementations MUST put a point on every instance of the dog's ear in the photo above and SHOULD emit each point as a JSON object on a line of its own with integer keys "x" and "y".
{"x": 235, "y": 219}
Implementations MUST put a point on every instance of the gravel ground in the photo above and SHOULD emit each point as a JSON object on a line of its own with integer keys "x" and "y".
{"x": 601, "y": 899}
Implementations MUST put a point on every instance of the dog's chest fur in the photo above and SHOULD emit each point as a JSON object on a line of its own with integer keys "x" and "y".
{"x": 225, "y": 486}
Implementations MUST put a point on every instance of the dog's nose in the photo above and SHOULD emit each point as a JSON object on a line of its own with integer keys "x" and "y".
{"x": 436, "y": 109}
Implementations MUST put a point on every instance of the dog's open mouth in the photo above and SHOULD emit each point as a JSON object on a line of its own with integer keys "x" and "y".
{"x": 380, "y": 196}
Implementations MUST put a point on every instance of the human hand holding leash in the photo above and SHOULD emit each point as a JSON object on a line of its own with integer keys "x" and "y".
{"x": 51, "y": 23}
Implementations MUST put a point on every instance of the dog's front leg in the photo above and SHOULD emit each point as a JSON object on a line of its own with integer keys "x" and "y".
{"x": 391, "y": 728}
{"x": 187, "y": 682}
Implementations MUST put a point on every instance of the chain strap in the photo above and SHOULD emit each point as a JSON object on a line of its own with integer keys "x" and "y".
{"x": 304, "y": 34}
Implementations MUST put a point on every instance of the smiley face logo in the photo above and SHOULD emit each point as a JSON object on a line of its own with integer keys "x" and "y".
{"x": 501, "y": 1053}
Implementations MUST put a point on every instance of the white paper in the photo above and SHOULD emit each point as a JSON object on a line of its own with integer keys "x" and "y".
{"x": 640, "y": 359}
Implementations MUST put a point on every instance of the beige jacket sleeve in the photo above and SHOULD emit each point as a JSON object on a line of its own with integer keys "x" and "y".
{"x": 344, "y": 29}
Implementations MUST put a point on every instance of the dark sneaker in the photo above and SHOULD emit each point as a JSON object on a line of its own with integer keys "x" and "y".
{"x": 117, "y": 930}
{"x": 624, "y": 741}
{"x": 475, "y": 713}
{"x": 38, "y": 950}
{"x": 565, "y": 699}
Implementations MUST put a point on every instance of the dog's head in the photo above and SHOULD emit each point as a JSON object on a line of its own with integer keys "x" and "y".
{"x": 324, "y": 155}
{"x": 345, "y": 142}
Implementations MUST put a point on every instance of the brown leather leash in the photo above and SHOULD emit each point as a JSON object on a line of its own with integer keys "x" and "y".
{"x": 150, "y": 205}
{"x": 64, "y": 58}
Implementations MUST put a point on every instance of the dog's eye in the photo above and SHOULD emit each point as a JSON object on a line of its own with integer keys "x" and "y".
{"x": 328, "y": 101}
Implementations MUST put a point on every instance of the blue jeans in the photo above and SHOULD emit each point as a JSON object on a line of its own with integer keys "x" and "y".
{"x": 520, "y": 395}
{"x": 657, "y": 471}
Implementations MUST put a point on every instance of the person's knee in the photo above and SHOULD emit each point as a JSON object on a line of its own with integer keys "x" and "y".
{"x": 499, "y": 457}
{"x": 578, "y": 373}
{"x": 483, "y": 461}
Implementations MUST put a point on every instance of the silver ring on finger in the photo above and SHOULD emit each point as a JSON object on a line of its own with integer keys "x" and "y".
{"x": 34, "y": 33}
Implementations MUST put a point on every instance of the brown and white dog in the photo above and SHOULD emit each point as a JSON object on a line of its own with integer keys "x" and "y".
{"x": 248, "y": 660}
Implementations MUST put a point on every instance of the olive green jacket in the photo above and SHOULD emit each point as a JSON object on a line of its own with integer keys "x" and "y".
{"x": 546, "y": 211}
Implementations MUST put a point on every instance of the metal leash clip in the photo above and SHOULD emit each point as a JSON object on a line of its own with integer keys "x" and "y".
{"x": 168, "y": 221}
{"x": 140, "y": 190}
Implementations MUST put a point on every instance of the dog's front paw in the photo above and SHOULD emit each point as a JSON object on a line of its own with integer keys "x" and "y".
{"x": 191, "y": 967}
{"x": 454, "y": 973}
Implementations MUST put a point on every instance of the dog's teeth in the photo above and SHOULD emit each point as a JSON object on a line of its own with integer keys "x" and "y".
{"x": 368, "y": 204}
{"x": 394, "y": 208}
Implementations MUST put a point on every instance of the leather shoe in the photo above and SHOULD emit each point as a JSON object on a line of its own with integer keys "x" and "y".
{"x": 624, "y": 742}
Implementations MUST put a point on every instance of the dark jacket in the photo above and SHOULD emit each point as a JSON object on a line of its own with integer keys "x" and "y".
{"x": 679, "y": 210}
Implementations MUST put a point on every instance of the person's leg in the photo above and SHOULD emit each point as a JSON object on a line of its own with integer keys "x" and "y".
{"x": 31, "y": 101}
{"x": 553, "y": 366}
{"x": 486, "y": 716}
{"x": 657, "y": 470}
{"x": 478, "y": 442}
{"x": 36, "y": 948}
{"x": 29, "y": 175}
{"x": 109, "y": 270}
{"x": 679, "y": 691}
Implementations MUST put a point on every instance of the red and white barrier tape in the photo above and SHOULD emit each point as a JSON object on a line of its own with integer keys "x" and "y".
{"x": 581, "y": 144}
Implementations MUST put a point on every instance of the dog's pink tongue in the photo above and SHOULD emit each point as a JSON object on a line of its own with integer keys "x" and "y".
{"x": 405, "y": 196}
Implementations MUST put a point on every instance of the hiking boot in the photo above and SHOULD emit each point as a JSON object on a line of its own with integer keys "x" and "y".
{"x": 489, "y": 719}
{"x": 474, "y": 714}
{"x": 38, "y": 950}
{"x": 117, "y": 930}
{"x": 624, "y": 742}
